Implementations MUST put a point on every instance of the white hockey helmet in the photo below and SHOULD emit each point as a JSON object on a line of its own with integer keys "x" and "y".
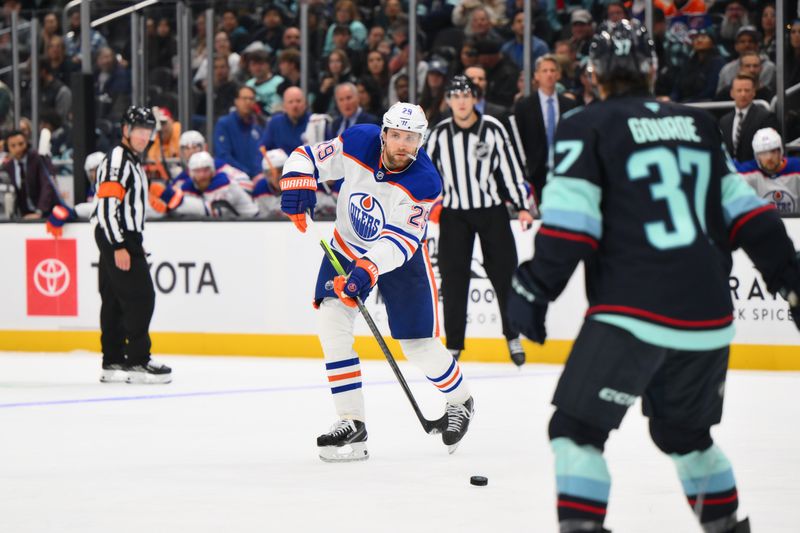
{"x": 406, "y": 117}
{"x": 274, "y": 159}
{"x": 93, "y": 161}
{"x": 191, "y": 138}
{"x": 201, "y": 160}
{"x": 766, "y": 140}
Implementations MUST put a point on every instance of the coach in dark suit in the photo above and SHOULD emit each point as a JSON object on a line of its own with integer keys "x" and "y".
{"x": 31, "y": 175}
{"x": 740, "y": 125}
{"x": 350, "y": 112}
{"x": 537, "y": 117}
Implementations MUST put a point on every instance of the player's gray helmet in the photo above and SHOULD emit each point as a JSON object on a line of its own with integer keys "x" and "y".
{"x": 622, "y": 51}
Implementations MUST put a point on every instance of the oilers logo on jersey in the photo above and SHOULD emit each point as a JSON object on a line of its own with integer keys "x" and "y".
{"x": 782, "y": 200}
{"x": 366, "y": 216}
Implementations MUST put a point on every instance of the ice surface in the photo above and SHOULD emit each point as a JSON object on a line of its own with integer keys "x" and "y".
{"x": 230, "y": 446}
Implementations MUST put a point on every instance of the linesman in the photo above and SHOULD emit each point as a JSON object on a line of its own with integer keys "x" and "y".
{"x": 480, "y": 172}
{"x": 126, "y": 288}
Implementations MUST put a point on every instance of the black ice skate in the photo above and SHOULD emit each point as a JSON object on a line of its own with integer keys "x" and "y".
{"x": 346, "y": 441}
{"x": 114, "y": 373}
{"x": 455, "y": 422}
{"x": 742, "y": 527}
{"x": 150, "y": 373}
{"x": 516, "y": 351}
{"x": 581, "y": 526}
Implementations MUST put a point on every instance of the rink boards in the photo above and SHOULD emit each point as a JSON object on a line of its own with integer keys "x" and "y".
{"x": 245, "y": 288}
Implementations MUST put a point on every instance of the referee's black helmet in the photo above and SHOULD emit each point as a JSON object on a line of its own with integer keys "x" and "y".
{"x": 622, "y": 51}
{"x": 139, "y": 116}
{"x": 461, "y": 84}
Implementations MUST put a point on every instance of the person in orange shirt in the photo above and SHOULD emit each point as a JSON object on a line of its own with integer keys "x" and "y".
{"x": 166, "y": 144}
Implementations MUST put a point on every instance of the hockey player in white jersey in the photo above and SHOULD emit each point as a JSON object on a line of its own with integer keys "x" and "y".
{"x": 191, "y": 142}
{"x": 775, "y": 177}
{"x": 207, "y": 193}
{"x": 389, "y": 187}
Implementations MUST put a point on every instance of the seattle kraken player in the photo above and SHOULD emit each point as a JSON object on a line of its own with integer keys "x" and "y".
{"x": 645, "y": 195}
{"x": 389, "y": 187}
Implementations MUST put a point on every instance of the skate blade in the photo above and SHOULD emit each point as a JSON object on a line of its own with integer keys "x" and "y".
{"x": 451, "y": 448}
{"x": 356, "y": 451}
{"x": 140, "y": 378}
{"x": 113, "y": 376}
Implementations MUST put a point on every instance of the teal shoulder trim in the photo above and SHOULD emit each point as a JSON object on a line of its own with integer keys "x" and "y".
{"x": 574, "y": 204}
{"x": 572, "y": 112}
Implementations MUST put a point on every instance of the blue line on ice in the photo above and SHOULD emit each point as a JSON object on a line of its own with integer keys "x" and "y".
{"x": 291, "y": 388}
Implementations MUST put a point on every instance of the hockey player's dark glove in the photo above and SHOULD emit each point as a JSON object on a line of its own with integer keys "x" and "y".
{"x": 299, "y": 194}
{"x": 223, "y": 208}
{"x": 526, "y": 308}
{"x": 59, "y": 216}
{"x": 792, "y": 292}
{"x": 359, "y": 282}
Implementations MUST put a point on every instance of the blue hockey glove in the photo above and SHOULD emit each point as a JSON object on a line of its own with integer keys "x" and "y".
{"x": 59, "y": 216}
{"x": 526, "y": 309}
{"x": 363, "y": 276}
{"x": 299, "y": 194}
{"x": 163, "y": 197}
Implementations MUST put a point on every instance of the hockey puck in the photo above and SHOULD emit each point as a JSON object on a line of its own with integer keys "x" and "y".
{"x": 479, "y": 481}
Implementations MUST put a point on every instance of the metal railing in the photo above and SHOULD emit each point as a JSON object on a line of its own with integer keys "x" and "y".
{"x": 715, "y": 106}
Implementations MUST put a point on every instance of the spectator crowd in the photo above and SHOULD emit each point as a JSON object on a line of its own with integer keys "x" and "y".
{"x": 708, "y": 51}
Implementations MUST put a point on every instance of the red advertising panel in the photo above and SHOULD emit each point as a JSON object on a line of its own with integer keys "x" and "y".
{"x": 52, "y": 277}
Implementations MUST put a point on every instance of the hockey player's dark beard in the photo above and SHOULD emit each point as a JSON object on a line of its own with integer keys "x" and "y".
{"x": 392, "y": 164}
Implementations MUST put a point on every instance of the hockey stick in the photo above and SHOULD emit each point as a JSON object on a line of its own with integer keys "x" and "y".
{"x": 430, "y": 426}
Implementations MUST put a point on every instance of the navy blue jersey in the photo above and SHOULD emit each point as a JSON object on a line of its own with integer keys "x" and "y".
{"x": 645, "y": 193}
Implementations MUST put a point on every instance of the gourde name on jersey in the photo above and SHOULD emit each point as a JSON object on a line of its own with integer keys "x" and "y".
{"x": 646, "y": 130}
{"x": 380, "y": 213}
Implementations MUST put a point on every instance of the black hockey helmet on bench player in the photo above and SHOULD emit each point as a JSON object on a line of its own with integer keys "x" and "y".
{"x": 622, "y": 51}
{"x": 461, "y": 84}
{"x": 139, "y": 116}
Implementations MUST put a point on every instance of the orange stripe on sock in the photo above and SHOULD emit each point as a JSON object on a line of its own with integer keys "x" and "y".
{"x": 340, "y": 377}
{"x": 445, "y": 385}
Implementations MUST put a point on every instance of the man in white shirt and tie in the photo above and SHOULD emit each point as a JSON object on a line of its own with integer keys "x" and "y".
{"x": 536, "y": 118}
{"x": 740, "y": 125}
{"x": 350, "y": 112}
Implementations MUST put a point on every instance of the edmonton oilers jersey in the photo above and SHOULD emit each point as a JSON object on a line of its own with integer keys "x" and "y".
{"x": 644, "y": 193}
{"x": 781, "y": 189}
{"x": 380, "y": 214}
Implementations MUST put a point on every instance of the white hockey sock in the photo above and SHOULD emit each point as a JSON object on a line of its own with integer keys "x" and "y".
{"x": 439, "y": 366}
{"x": 341, "y": 361}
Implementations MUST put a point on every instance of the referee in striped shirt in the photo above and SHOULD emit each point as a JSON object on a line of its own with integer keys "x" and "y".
{"x": 480, "y": 171}
{"x": 126, "y": 288}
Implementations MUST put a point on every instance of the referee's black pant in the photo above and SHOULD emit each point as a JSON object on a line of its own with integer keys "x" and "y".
{"x": 128, "y": 299}
{"x": 457, "y": 230}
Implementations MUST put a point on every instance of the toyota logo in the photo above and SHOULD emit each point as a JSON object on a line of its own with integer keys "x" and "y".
{"x": 51, "y": 277}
